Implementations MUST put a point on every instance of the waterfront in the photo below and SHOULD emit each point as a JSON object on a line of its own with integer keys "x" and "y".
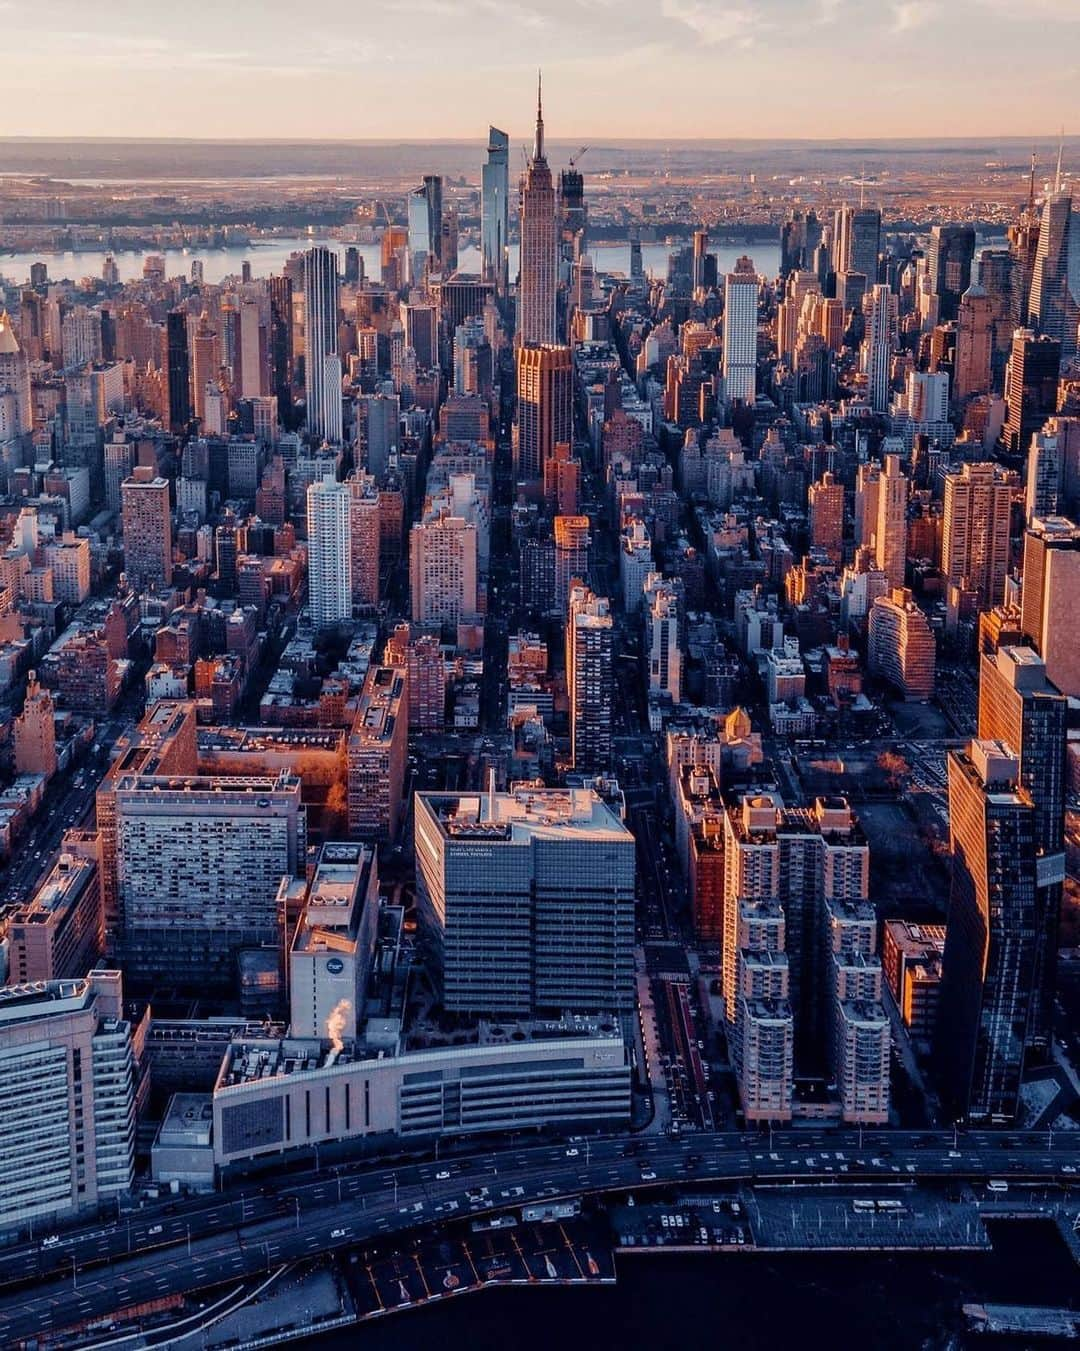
{"x": 270, "y": 255}
{"x": 747, "y": 1301}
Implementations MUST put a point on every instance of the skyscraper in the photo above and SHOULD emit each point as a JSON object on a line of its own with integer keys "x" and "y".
{"x": 1054, "y": 305}
{"x": 376, "y": 754}
{"x": 975, "y": 534}
{"x": 67, "y": 1097}
{"x": 495, "y": 208}
{"x": 857, "y": 241}
{"x": 740, "y": 333}
{"x": 1020, "y": 707}
{"x": 890, "y": 533}
{"x": 974, "y": 344}
{"x": 826, "y": 498}
{"x": 1031, "y": 387}
{"x": 589, "y": 678}
{"x": 364, "y": 540}
{"x": 952, "y": 249}
{"x": 281, "y": 343}
{"x": 147, "y": 522}
{"x": 179, "y": 370}
{"x": 880, "y": 308}
{"x": 527, "y": 901}
{"x": 545, "y": 408}
{"x": 322, "y": 364}
{"x": 329, "y": 552}
{"x": 988, "y": 970}
{"x": 539, "y": 249}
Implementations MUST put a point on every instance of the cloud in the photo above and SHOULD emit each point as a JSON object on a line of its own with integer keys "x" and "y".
{"x": 911, "y": 14}
{"x": 504, "y": 10}
{"x": 828, "y": 11}
{"x": 714, "y": 23}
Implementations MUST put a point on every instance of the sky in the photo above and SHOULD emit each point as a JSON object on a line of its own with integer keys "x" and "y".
{"x": 433, "y": 69}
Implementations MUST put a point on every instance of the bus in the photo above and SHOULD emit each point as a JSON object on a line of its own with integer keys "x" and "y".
{"x": 547, "y": 1211}
{"x": 496, "y": 1222}
{"x": 997, "y": 1185}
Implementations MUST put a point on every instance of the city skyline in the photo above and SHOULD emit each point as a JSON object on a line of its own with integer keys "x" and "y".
{"x": 898, "y": 64}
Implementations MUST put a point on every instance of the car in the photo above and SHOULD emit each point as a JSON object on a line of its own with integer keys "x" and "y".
{"x": 51, "y": 1241}
{"x": 155, "y": 1229}
{"x": 572, "y": 1153}
{"x": 339, "y": 1233}
{"x": 648, "y": 1175}
{"x": 442, "y": 1174}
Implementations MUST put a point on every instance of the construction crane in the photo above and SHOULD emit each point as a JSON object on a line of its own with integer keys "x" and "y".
{"x": 577, "y": 155}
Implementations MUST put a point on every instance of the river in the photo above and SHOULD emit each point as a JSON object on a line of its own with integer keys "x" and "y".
{"x": 269, "y": 256}
{"x": 743, "y": 1302}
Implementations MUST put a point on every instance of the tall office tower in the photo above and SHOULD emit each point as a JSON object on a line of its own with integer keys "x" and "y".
{"x": 539, "y": 248}
{"x": 662, "y": 650}
{"x": 1051, "y": 577}
{"x": 827, "y": 516}
{"x": 67, "y": 1097}
{"x": 119, "y": 462}
{"x": 890, "y": 530}
{"x": 1021, "y": 708}
{"x": 281, "y": 343}
{"x": 35, "y": 732}
{"x": 179, "y": 370}
{"x": 198, "y": 864}
{"x": 1023, "y": 246}
{"x": 545, "y": 406}
{"x": 572, "y": 542}
{"x": 15, "y": 376}
{"x": 422, "y": 333}
{"x": 1043, "y": 476}
{"x": 952, "y": 250}
{"x": 975, "y": 533}
{"x": 1031, "y": 387}
{"x": 1054, "y": 305}
{"x": 329, "y": 553}
{"x": 495, "y": 209}
{"x": 573, "y": 214}
{"x": 364, "y": 540}
{"x": 740, "y": 333}
{"x": 527, "y": 901}
{"x": 867, "y": 491}
{"x": 901, "y": 647}
{"x": 881, "y": 311}
{"x": 322, "y": 364}
{"x": 988, "y": 970}
{"x": 80, "y": 336}
{"x": 857, "y": 241}
{"x": 421, "y": 246}
{"x": 789, "y": 312}
{"x": 637, "y": 269}
{"x": 433, "y": 195}
{"x": 799, "y": 238}
{"x": 380, "y": 416}
{"x": 589, "y": 678}
{"x": 443, "y": 569}
{"x": 701, "y": 252}
{"x": 975, "y": 337}
{"x": 250, "y": 364}
{"x": 376, "y": 755}
{"x": 423, "y": 659}
{"x": 206, "y": 361}
{"x": 147, "y": 523}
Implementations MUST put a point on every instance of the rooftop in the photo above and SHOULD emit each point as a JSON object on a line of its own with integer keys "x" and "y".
{"x": 520, "y": 815}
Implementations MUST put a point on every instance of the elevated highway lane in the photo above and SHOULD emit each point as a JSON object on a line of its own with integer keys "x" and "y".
{"x": 92, "y": 1273}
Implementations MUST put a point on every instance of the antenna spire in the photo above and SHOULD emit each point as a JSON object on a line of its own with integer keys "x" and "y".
{"x": 1061, "y": 147}
{"x": 538, "y": 152}
{"x": 1031, "y": 182}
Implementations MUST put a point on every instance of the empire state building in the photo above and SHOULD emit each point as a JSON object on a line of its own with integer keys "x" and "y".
{"x": 538, "y": 277}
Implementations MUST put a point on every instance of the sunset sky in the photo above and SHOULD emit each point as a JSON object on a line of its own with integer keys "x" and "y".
{"x": 631, "y": 68}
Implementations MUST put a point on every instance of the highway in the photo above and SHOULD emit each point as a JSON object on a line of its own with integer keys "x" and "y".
{"x": 92, "y": 1273}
